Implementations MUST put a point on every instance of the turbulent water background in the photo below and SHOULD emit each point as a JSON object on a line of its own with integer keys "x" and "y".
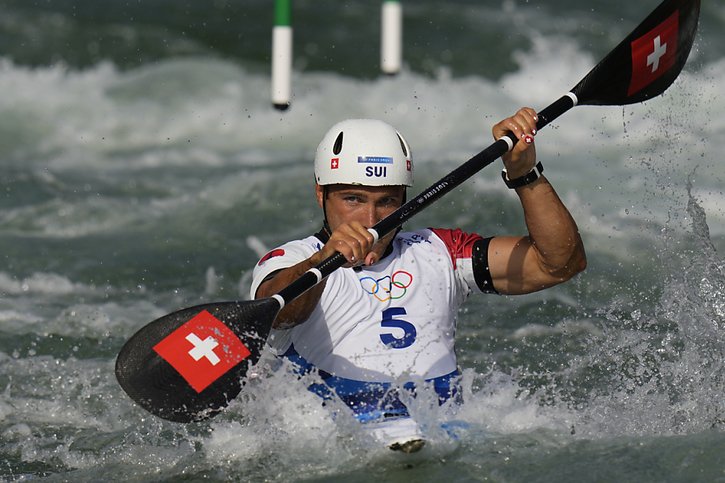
{"x": 144, "y": 170}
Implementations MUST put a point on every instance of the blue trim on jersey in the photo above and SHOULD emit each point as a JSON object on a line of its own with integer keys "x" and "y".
{"x": 372, "y": 400}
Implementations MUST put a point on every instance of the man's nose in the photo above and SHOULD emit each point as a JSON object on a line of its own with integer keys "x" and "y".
{"x": 372, "y": 216}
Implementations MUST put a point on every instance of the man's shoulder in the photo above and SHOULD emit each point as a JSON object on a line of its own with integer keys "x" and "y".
{"x": 281, "y": 257}
{"x": 457, "y": 242}
{"x": 293, "y": 249}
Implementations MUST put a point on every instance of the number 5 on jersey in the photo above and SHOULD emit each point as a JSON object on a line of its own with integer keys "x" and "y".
{"x": 389, "y": 320}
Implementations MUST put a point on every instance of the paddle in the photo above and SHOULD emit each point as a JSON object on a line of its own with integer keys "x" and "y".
{"x": 188, "y": 365}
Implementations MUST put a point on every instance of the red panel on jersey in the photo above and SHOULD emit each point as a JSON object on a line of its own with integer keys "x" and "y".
{"x": 458, "y": 242}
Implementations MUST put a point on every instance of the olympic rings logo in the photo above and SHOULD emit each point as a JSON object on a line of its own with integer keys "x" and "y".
{"x": 388, "y": 288}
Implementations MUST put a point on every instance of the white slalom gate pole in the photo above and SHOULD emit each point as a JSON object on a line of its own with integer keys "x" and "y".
{"x": 391, "y": 37}
{"x": 282, "y": 54}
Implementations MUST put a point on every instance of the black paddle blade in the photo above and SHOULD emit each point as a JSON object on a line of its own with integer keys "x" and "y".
{"x": 186, "y": 366}
{"x": 648, "y": 61}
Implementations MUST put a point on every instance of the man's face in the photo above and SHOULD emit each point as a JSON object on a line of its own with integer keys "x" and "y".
{"x": 367, "y": 205}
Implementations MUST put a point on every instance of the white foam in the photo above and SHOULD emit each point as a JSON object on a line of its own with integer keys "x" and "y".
{"x": 120, "y": 122}
{"x": 40, "y": 283}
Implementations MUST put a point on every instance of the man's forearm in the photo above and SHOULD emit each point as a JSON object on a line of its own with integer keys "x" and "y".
{"x": 553, "y": 231}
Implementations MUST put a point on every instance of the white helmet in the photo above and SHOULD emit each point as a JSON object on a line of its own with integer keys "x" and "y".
{"x": 364, "y": 152}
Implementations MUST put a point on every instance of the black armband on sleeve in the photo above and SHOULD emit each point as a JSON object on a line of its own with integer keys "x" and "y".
{"x": 481, "y": 272}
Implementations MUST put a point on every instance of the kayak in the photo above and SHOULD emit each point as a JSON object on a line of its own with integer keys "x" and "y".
{"x": 399, "y": 434}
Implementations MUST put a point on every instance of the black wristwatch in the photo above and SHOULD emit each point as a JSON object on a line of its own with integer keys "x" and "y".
{"x": 528, "y": 178}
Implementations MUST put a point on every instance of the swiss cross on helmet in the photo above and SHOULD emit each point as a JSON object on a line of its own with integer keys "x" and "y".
{"x": 364, "y": 152}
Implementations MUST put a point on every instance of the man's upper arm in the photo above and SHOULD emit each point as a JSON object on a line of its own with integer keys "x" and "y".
{"x": 516, "y": 268}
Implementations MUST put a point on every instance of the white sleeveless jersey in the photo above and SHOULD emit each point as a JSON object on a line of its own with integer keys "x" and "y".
{"x": 395, "y": 319}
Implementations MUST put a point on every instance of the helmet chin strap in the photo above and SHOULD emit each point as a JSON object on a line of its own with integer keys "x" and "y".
{"x": 325, "y": 224}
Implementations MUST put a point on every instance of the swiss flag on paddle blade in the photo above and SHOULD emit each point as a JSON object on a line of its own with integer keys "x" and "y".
{"x": 654, "y": 53}
{"x": 202, "y": 350}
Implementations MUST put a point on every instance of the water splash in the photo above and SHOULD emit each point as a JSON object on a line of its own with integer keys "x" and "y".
{"x": 661, "y": 370}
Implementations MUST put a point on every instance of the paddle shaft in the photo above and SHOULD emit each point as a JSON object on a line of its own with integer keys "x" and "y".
{"x": 319, "y": 272}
